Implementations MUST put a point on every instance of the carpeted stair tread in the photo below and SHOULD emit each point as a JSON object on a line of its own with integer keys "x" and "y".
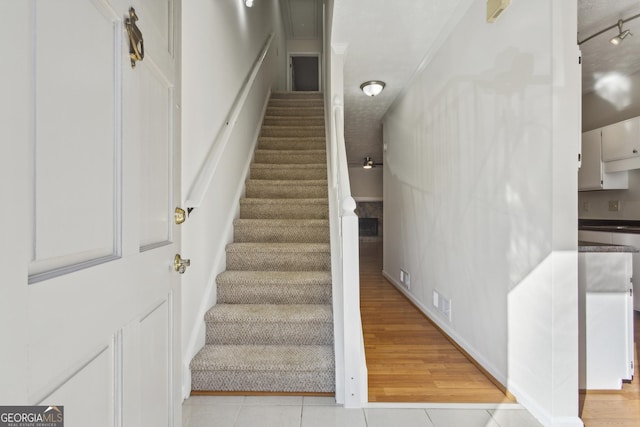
{"x": 270, "y": 313}
{"x": 284, "y": 208}
{"x": 293, "y": 121}
{"x": 270, "y": 324}
{"x": 312, "y": 358}
{"x": 260, "y": 278}
{"x": 298, "y": 94}
{"x": 274, "y": 287}
{"x": 292, "y": 102}
{"x": 286, "y": 189}
{"x": 292, "y": 143}
{"x": 281, "y": 230}
{"x": 275, "y": 248}
{"x": 301, "y": 131}
{"x": 279, "y": 256}
{"x": 288, "y": 171}
{"x": 299, "y": 111}
{"x": 264, "y": 368}
{"x": 290, "y": 156}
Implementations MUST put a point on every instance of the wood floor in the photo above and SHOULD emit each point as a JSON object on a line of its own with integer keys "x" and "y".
{"x": 615, "y": 408}
{"x": 408, "y": 358}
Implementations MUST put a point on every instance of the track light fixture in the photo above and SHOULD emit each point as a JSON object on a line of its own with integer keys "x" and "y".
{"x": 248, "y": 3}
{"x": 622, "y": 34}
{"x": 369, "y": 163}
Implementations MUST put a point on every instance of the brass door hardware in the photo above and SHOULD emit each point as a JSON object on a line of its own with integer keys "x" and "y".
{"x": 180, "y": 264}
{"x": 179, "y": 216}
{"x": 136, "y": 43}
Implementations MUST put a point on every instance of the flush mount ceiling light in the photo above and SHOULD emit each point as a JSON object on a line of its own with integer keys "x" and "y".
{"x": 372, "y": 87}
{"x": 248, "y": 3}
{"x": 618, "y": 39}
{"x": 622, "y": 34}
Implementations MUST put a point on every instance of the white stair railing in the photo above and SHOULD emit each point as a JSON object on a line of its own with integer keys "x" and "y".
{"x": 351, "y": 367}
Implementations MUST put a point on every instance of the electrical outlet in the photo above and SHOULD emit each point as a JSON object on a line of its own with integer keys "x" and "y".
{"x": 585, "y": 206}
{"x": 405, "y": 279}
{"x": 614, "y": 205}
{"x": 442, "y": 305}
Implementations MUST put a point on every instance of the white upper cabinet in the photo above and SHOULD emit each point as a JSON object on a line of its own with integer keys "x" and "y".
{"x": 591, "y": 175}
{"x": 621, "y": 140}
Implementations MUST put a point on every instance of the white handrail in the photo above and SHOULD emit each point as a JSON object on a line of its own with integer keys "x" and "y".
{"x": 208, "y": 168}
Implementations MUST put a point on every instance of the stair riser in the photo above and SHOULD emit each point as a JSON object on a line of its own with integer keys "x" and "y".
{"x": 293, "y": 121}
{"x": 273, "y": 294}
{"x": 265, "y": 234}
{"x": 287, "y": 261}
{"x": 271, "y": 381}
{"x": 298, "y": 94}
{"x": 258, "y": 333}
{"x": 254, "y": 190}
{"x": 290, "y": 131}
{"x": 292, "y": 144}
{"x": 275, "y": 157}
{"x": 283, "y": 173}
{"x": 295, "y": 111}
{"x": 296, "y": 103}
{"x": 284, "y": 211}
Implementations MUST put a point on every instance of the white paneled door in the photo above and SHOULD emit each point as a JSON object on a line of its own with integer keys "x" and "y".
{"x": 90, "y": 299}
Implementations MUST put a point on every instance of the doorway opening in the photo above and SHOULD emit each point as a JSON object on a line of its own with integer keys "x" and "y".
{"x": 304, "y": 72}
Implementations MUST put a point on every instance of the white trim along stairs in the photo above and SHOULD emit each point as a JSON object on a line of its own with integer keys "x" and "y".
{"x": 271, "y": 329}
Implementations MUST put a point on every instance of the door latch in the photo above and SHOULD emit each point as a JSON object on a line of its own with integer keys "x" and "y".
{"x": 180, "y": 264}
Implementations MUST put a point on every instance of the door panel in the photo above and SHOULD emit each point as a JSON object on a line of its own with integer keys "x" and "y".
{"x": 156, "y": 140}
{"x": 76, "y": 130}
{"x": 88, "y": 394}
{"x": 155, "y": 356}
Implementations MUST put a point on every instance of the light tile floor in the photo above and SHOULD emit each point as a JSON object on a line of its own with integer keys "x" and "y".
{"x": 298, "y": 411}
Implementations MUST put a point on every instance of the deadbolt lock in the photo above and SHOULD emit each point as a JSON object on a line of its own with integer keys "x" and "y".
{"x": 180, "y": 216}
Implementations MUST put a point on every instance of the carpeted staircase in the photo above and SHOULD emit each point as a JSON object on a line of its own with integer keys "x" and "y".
{"x": 272, "y": 327}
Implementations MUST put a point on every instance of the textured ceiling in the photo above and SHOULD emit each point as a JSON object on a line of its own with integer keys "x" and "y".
{"x": 388, "y": 40}
{"x": 599, "y": 57}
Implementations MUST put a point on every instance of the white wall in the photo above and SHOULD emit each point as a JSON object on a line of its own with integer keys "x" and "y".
{"x": 597, "y": 111}
{"x": 221, "y": 40}
{"x": 366, "y": 184}
{"x": 480, "y": 195}
{"x": 304, "y": 46}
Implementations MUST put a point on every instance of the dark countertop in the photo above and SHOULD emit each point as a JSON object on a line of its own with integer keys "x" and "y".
{"x": 610, "y": 225}
{"x": 604, "y": 247}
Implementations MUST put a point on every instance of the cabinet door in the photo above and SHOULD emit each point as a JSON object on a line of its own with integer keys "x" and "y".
{"x": 631, "y": 240}
{"x": 590, "y": 172}
{"x": 621, "y": 140}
